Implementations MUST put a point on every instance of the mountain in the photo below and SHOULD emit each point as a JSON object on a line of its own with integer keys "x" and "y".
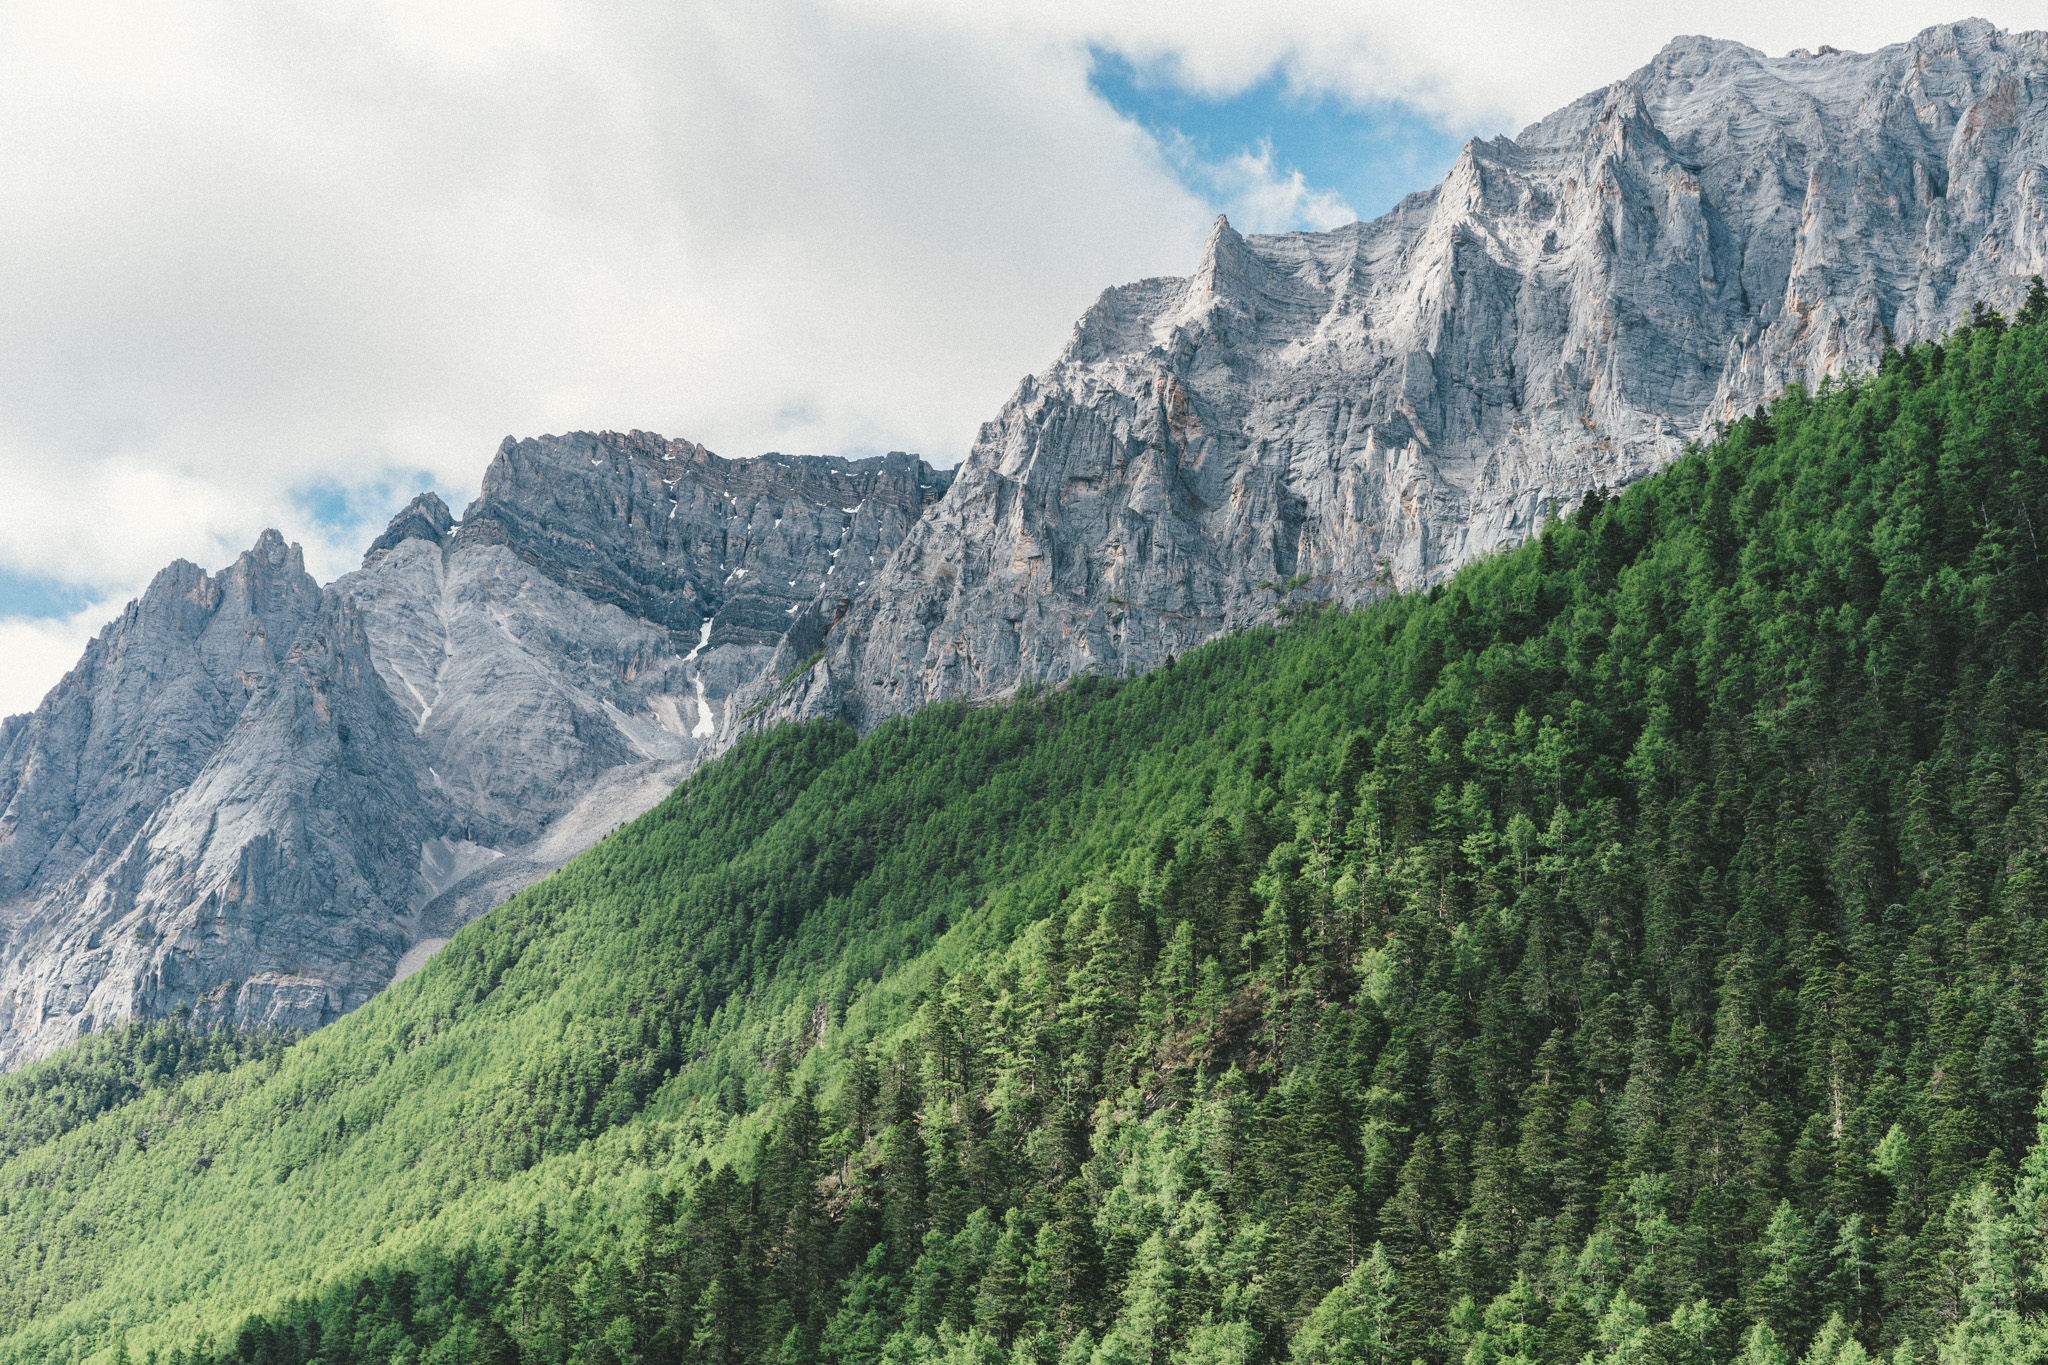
{"x": 1307, "y": 417}
{"x": 1631, "y": 949}
{"x": 1373, "y": 406}
{"x": 259, "y": 800}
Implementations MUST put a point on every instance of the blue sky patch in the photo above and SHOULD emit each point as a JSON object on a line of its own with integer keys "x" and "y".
{"x": 28, "y": 595}
{"x": 1371, "y": 155}
{"x": 338, "y": 514}
{"x": 357, "y": 511}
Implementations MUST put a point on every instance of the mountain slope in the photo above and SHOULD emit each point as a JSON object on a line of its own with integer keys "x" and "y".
{"x": 260, "y": 801}
{"x": 1358, "y": 410}
{"x": 1378, "y": 404}
{"x": 1632, "y": 947}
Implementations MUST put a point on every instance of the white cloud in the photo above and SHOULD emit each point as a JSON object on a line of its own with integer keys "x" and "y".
{"x": 1250, "y": 188}
{"x": 250, "y": 249}
{"x": 246, "y": 250}
{"x": 39, "y": 651}
{"x": 1474, "y": 62}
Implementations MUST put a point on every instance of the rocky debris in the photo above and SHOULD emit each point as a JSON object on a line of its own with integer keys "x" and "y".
{"x": 522, "y": 691}
{"x": 622, "y": 794}
{"x": 1369, "y": 408}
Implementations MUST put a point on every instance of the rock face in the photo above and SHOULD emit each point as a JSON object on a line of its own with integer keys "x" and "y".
{"x": 674, "y": 535}
{"x": 1373, "y": 406}
{"x": 260, "y": 800}
{"x": 220, "y": 768}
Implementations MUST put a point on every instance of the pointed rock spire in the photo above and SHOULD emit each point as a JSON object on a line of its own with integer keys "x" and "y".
{"x": 1225, "y": 262}
{"x": 426, "y": 517}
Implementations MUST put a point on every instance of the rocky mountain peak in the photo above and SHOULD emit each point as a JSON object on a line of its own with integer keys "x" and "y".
{"x": 1225, "y": 266}
{"x": 1371, "y": 407}
{"x": 426, "y": 518}
{"x": 294, "y": 793}
{"x": 260, "y": 800}
{"x": 153, "y": 697}
{"x": 671, "y": 533}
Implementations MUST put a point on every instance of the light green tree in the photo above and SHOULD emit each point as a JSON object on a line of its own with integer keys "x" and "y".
{"x": 1352, "y": 1325}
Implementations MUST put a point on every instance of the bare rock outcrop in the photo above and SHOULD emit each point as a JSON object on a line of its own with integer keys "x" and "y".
{"x": 259, "y": 799}
{"x": 255, "y": 799}
{"x": 1373, "y": 406}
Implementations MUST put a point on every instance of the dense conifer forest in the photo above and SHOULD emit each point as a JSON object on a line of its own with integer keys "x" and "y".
{"x": 1633, "y": 950}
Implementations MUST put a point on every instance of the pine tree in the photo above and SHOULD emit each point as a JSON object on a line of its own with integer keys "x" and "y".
{"x": 2035, "y": 309}
{"x": 1836, "y": 1345}
{"x": 1510, "y": 1331}
{"x": 1145, "y": 1330}
{"x": 1352, "y": 1325}
{"x": 723, "y": 1316}
{"x": 999, "y": 1300}
{"x": 1854, "y": 1277}
{"x": 1065, "y": 1274}
{"x": 1996, "y": 1326}
{"x": 1781, "y": 1288}
{"x": 1760, "y": 1347}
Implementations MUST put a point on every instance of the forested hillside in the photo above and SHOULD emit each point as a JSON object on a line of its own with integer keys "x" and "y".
{"x": 1630, "y": 951}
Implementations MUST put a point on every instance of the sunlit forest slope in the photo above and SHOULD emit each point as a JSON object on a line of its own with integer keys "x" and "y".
{"x": 1630, "y": 951}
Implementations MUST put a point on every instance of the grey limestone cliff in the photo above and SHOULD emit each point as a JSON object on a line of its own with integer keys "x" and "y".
{"x": 260, "y": 800}
{"x": 1373, "y": 406}
{"x": 673, "y": 534}
{"x": 180, "y": 814}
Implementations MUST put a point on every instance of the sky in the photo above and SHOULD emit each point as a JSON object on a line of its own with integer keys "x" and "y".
{"x": 286, "y": 264}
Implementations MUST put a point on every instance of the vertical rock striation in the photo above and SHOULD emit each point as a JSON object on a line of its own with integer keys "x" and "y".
{"x": 258, "y": 800}
{"x": 1373, "y": 406}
